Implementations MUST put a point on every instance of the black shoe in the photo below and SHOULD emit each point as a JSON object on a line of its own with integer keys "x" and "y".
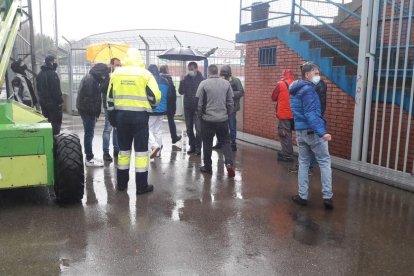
{"x": 205, "y": 169}
{"x": 217, "y": 146}
{"x": 107, "y": 157}
{"x": 121, "y": 189}
{"x": 284, "y": 158}
{"x": 234, "y": 147}
{"x": 192, "y": 150}
{"x": 327, "y": 202}
{"x": 300, "y": 201}
{"x": 176, "y": 139}
{"x": 294, "y": 169}
{"x": 148, "y": 189}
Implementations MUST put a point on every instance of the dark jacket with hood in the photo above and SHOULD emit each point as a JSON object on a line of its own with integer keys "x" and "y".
{"x": 172, "y": 95}
{"x": 321, "y": 89}
{"x": 236, "y": 85}
{"x": 23, "y": 84}
{"x": 188, "y": 88}
{"x": 163, "y": 85}
{"x": 48, "y": 87}
{"x": 90, "y": 91}
{"x": 306, "y": 107}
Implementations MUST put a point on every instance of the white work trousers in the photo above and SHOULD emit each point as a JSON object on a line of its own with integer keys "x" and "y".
{"x": 155, "y": 131}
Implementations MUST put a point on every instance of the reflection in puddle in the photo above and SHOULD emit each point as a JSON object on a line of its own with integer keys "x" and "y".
{"x": 176, "y": 211}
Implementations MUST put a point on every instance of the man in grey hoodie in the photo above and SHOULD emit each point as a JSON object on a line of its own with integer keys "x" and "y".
{"x": 215, "y": 105}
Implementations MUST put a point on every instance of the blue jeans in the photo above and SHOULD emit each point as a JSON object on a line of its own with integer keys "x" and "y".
{"x": 89, "y": 128}
{"x": 233, "y": 127}
{"x": 310, "y": 144}
{"x": 106, "y": 136}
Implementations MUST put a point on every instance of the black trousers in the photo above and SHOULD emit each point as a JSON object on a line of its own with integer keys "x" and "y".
{"x": 132, "y": 127}
{"x": 54, "y": 115}
{"x": 171, "y": 125}
{"x": 192, "y": 121}
{"x": 221, "y": 129}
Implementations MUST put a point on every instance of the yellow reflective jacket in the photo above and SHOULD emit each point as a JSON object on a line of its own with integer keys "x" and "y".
{"x": 132, "y": 87}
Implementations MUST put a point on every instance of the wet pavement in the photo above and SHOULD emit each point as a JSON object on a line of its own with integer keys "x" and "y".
{"x": 194, "y": 224}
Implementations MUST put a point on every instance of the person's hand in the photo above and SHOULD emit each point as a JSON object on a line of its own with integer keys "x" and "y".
{"x": 327, "y": 137}
{"x": 96, "y": 119}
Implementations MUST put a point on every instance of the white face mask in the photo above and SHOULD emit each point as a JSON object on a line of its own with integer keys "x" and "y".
{"x": 191, "y": 73}
{"x": 316, "y": 79}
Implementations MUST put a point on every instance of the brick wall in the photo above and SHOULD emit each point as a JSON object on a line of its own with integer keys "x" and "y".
{"x": 259, "y": 110}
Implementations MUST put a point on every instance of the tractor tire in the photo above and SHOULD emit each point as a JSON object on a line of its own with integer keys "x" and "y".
{"x": 69, "y": 170}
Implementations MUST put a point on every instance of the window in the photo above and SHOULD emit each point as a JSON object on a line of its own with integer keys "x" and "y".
{"x": 267, "y": 56}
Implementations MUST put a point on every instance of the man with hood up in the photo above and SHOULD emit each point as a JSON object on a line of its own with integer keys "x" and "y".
{"x": 312, "y": 136}
{"x": 238, "y": 92}
{"x": 50, "y": 94}
{"x": 284, "y": 114}
{"x": 22, "y": 86}
{"x": 132, "y": 94}
{"x": 88, "y": 104}
{"x": 157, "y": 114}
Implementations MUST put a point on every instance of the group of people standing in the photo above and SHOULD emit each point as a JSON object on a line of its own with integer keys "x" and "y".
{"x": 135, "y": 100}
{"x": 300, "y": 107}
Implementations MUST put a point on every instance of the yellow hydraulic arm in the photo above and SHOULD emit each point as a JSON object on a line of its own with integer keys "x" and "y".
{"x": 9, "y": 27}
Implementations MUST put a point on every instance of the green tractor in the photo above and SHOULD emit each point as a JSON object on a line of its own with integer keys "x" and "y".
{"x": 31, "y": 156}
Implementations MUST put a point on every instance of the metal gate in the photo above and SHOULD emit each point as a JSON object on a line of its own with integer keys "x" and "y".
{"x": 383, "y": 131}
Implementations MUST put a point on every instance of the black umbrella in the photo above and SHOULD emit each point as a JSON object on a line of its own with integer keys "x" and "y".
{"x": 183, "y": 54}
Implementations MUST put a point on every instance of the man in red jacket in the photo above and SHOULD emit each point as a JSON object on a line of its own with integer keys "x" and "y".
{"x": 281, "y": 96}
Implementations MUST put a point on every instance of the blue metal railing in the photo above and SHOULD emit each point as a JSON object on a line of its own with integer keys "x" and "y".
{"x": 306, "y": 15}
{"x": 299, "y": 5}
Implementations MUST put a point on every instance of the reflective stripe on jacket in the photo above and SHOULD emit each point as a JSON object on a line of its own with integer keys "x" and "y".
{"x": 133, "y": 88}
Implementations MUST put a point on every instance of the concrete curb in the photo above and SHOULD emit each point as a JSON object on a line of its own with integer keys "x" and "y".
{"x": 376, "y": 173}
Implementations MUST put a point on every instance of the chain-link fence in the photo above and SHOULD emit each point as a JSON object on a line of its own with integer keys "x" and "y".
{"x": 73, "y": 65}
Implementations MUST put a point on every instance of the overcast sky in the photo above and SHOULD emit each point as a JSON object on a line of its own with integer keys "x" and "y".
{"x": 80, "y": 18}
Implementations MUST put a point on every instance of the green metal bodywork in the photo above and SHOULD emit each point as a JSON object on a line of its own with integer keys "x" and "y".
{"x": 26, "y": 147}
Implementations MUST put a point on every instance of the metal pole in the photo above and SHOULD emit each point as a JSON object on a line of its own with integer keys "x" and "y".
{"x": 387, "y": 74}
{"x": 179, "y": 42}
{"x": 32, "y": 40}
{"x": 370, "y": 82}
{"x": 70, "y": 76}
{"x": 374, "y": 129}
{"x": 360, "y": 95}
{"x": 147, "y": 50}
{"x": 292, "y": 14}
{"x": 397, "y": 63}
{"x": 240, "y": 15}
{"x": 407, "y": 49}
{"x": 41, "y": 28}
{"x": 56, "y": 30}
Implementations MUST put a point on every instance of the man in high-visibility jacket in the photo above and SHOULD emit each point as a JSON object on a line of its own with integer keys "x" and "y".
{"x": 132, "y": 93}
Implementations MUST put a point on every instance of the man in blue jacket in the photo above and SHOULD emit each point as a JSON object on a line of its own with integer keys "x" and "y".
{"x": 157, "y": 114}
{"x": 311, "y": 133}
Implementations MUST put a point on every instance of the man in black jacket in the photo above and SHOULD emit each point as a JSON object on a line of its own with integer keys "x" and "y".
{"x": 88, "y": 104}
{"x": 188, "y": 88}
{"x": 171, "y": 104}
{"x": 50, "y": 95}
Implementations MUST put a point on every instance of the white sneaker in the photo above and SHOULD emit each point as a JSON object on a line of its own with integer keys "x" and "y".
{"x": 154, "y": 152}
{"x": 94, "y": 163}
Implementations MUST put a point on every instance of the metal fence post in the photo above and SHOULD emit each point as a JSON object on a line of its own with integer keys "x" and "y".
{"x": 364, "y": 59}
{"x": 147, "y": 51}
{"x": 292, "y": 14}
{"x": 70, "y": 76}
